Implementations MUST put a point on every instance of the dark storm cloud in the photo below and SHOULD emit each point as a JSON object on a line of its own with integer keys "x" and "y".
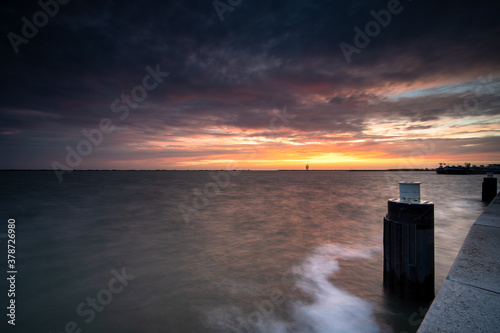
{"x": 264, "y": 55}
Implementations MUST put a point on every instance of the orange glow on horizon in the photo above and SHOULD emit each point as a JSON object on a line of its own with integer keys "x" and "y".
{"x": 379, "y": 142}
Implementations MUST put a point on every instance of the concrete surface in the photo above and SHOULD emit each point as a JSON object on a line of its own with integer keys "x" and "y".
{"x": 469, "y": 300}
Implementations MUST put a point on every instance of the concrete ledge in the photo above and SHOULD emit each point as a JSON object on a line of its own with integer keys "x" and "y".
{"x": 469, "y": 300}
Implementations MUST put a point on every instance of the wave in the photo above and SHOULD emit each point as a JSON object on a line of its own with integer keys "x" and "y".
{"x": 332, "y": 310}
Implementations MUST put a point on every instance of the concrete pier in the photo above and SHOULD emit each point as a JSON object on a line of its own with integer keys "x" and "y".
{"x": 469, "y": 300}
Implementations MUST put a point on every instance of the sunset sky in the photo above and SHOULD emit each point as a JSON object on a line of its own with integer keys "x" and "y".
{"x": 258, "y": 85}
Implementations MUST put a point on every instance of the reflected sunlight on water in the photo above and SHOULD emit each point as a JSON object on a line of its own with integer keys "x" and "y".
{"x": 306, "y": 244}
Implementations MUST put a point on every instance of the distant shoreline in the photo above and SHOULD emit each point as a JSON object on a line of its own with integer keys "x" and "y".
{"x": 177, "y": 170}
{"x": 361, "y": 170}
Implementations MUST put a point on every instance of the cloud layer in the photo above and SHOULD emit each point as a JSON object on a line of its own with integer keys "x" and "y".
{"x": 425, "y": 89}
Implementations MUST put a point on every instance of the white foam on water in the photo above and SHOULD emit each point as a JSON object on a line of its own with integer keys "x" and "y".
{"x": 333, "y": 310}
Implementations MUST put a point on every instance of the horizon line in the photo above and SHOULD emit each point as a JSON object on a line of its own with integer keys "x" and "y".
{"x": 390, "y": 169}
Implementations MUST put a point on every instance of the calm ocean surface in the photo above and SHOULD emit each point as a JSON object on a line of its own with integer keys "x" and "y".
{"x": 263, "y": 251}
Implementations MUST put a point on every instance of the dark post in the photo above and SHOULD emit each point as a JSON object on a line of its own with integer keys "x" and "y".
{"x": 409, "y": 245}
{"x": 489, "y": 188}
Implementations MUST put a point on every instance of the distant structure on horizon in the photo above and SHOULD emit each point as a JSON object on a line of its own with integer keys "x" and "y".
{"x": 307, "y": 167}
{"x": 467, "y": 169}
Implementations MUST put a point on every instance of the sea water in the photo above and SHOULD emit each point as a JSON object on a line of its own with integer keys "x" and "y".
{"x": 216, "y": 251}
